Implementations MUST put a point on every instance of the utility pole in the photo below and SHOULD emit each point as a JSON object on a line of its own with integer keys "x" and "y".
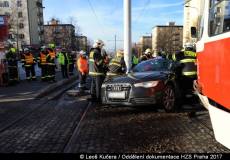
{"x": 115, "y": 43}
{"x": 127, "y": 34}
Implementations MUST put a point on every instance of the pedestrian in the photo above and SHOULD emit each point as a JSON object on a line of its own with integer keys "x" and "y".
{"x": 63, "y": 60}
{"x": 11, "y": 57}
{"x": 117, "y": 65}
{"x": 71, "y": 62}
{"x": 29, "y": 62}
{"x": 42, "y": 63}
{"x": 51, "y": 66}
{"x": 96, "y": 70}
{"x": 83, "y": 69}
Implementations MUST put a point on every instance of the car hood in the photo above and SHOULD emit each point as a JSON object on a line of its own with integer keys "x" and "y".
{"x": 140, "y": 77}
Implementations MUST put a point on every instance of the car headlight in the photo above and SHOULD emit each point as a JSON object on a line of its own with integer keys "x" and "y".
{"x": 147, "y": 84}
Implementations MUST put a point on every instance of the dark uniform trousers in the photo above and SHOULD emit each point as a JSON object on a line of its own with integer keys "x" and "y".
{"x": 30, "y": 72}
{"x": 64, "y": 71}
{"x": 13, "y": 72}
{"x": 96, "y": 86}
{"x": 44, "y": 71}
{"x": 51, "y": 71}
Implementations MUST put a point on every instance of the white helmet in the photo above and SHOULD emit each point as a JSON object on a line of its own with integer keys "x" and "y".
{"x": 26, "y": 50}
{"x": 82, "y": 53}
{"x": 188, "y": 45}
{"x": 98, "y": 43}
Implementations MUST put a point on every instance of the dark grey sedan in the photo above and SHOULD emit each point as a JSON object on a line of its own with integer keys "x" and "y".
{"x": 150, "y": 82}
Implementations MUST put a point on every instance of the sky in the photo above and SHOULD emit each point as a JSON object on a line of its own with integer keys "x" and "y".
{"x": 103, "y": 19}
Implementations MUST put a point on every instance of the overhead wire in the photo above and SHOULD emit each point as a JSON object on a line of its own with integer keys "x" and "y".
{"x": 143, "y": 9}
{"x": 95, "y": 14}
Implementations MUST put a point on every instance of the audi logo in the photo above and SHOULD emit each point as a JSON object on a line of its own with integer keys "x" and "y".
{"x": 117, "y": 88}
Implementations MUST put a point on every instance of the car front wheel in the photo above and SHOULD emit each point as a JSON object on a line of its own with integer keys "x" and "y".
{"x": 169, "y": 98}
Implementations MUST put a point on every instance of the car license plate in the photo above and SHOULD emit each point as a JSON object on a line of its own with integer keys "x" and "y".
{"x": 116, "y": 95}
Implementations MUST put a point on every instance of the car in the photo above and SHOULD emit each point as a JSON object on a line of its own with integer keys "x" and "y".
{"x": 149, "y": 83}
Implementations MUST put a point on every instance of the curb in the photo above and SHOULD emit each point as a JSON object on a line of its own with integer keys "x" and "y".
{"x": 42, "y": 93}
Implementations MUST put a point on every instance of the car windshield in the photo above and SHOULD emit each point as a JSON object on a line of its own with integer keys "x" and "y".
{"x": 153, "y": 65}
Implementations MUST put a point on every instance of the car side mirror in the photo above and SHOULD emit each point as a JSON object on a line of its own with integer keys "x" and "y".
{"x": 193, "y": 32}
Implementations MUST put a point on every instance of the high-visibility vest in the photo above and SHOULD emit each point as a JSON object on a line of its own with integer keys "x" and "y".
{"x": 50, "y": 58}
{"x": 82, "y": 65}
{"x": 135, "y": 60}
{"x": 96, "y": 68}
{"x": 189, "y": 67}
{"x": 29, "y": 59}
{"x": 115, "y": 66}
{"x": 42, "y": 58}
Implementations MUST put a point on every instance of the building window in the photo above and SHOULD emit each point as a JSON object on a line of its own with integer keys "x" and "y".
{"x": 21, "y": 36}
{"x": 19, "y": 3}
{"x": 21, "y": 25}
{"x": 4, "y": 4}
{"x": 219, "y": 20}
{"x": 20, "y": 15}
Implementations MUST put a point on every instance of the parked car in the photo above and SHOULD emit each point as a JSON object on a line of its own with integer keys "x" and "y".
{"x": 150, "y": 82}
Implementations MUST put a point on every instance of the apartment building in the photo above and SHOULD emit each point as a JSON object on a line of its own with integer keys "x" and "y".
{"x": 25, "y": 19}
{"x": 62, "y": 35}
{"x": 167, "y": 38}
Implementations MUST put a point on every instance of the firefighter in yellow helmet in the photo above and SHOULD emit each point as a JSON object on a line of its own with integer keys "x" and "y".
{"x": 11, "y": 57}
{"x": 96, "y": 69}
{"x": 147, "y": 55}
{"x": 117, "y": 65}
{"x": 29, "y": 62}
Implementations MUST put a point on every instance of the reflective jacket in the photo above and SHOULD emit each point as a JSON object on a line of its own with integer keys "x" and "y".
{"x": 96, "y": 63}
{"x": 28, "y": 59}
{"x": 11, "y": 58}
{"x": 42, "y": 58}
{"x": 116, "y": 66}
{"x": 82, "y": 65}
{"x": 63, "y": 58}
{"x": 50, "y": 58}
{"x": 135, "y": 60}
{"x": 189, "y": 68}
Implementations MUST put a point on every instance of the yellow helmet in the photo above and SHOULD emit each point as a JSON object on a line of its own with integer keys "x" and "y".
{"x": 120, "y": 53}
{"x": 148, "y": 51}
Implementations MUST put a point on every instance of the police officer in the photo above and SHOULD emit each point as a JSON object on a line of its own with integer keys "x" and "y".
{"x": 147, "y": 55}
{"x": 96, "y": 69}
{"x": 50, "y": 58}
{"x": 29, "y": 62}
{"x": 42, "y": 63}
{"x": 11, "y": 57}
{"x": 117, "y": 65}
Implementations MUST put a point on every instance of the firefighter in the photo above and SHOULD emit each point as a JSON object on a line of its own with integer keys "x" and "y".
{"x": 71, "y": 62}
{"x": 42, "y": 63}
{"x": 63, "y": 60}
{"x": 117, "y": 65}
{"x": 147, "y": 55}
{"x": 29, "y": 62}
{"x": 83, "y": 69}
{"x": 11, "y": 57}
{"x": 96, "y": 69}
{"x": 50, "y": 58}
{"x": 187, "y": 69}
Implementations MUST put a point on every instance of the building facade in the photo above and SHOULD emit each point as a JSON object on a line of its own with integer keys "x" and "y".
{"x": 81, "y": 43}
{"x": 167, "y": 38}
{"x": 25, "y": 20}
{"x": 145, "y": 42}
{"x": 62, "y": 35}
{"x": 193, "y": 11}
